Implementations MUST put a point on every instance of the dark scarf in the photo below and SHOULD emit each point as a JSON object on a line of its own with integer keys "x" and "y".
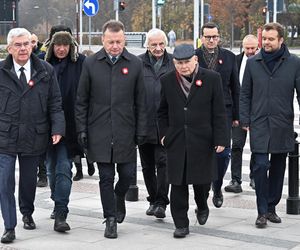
{"x": 271, "y": 58}
{"x": 156, "y": 63}
{"x": 210, "y": 58}
{"x": 187, "y": 82}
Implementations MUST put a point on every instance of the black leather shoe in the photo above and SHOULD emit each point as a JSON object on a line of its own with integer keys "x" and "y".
{"x": 217, "y": 199}
{"x": 261, "y": 221}
{"x": 150, "y": 210}
{"x": 78, "y": 176}
{"x": 252, "y": 184}
{"x": 52, "y": 215}
{"x": 234, "y": 187}
{"x": 181, "y": 232}
{"x": 273, "y": 217}
{"x": 160, "y": 212}
{"x": 202, "y": 216}
{"x": 8, "y": 236}
{"x": 42, "y": 182}
{"x": 60, "y": 224}
{"x": 111, "y": 228}
{"x": 120, "y": 208}
{"x": 91, "y": 169}
{"x": 28, "y": 222}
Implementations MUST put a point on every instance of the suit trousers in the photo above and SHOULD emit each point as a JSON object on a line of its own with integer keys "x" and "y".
{"x": 106, "y": 184}
{"x": 179, "y": 202}
{"x": 239, "y": 136}
{"x": 27, "y": 186}
{"x": 268, "y": 176}
{"x": 154, "y": 166}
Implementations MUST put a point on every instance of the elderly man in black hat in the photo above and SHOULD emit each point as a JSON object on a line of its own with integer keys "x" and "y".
{"x": 192, "y": 121}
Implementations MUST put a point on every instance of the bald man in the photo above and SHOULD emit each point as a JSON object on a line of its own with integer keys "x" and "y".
{"x": 250, "y": 47}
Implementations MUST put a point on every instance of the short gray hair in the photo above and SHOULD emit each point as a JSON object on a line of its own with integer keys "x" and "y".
{"x": 17, "y": 32}
{"x": 155, "y": 32}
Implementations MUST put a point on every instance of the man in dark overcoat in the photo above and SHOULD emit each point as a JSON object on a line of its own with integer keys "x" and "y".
{"x": 214, "y": 57}
{"x": 266, "y": 102}
{"x": 239, "y": 135}
{"x": 30, "y": 112}
{"x": 111, "y": 118}
{"x": 192, "y": 121}
{"x": 157, "y": 62}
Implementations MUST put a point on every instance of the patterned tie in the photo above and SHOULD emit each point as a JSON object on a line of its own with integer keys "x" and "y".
{"x": 23, "y": 76}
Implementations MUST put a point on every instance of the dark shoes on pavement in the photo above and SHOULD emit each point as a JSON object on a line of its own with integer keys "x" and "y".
{"x": 234, "y": 187}
{"x": 150, "y": 210}
{"x": 120, "y": 208}
{"x": 60, "y": 224}
{"x": 8, "y": 236}
{"x": 111, "y": 228}
{"x": 202, "y": 216}
{"x": 42, "y": 182}
{"x": 160, "y": 212}
{"x": 273, "y": 217}
{"x": 217, "y": 199}
{"x": 28, "y": 222}
{"x": 78, "y": 176}
{"x": 261, "y": 221}
{"x": 181, "y": 232}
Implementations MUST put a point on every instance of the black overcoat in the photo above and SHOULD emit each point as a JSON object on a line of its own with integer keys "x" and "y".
{"x": 192, "y": 127}
{"x": 111, "y": 107}
{"x": 29, "y": 114}
{"x": 266, "y": 103}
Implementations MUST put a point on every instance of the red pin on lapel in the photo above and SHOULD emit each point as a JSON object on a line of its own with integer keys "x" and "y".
{"x": 125, "y": 71}
{"x": 220, "y": 61}
{"x": 31, "y": 83}
{"x": 199, "y": 83}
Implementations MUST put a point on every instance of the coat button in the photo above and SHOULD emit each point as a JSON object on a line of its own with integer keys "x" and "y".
{"x": 185, "y": 108}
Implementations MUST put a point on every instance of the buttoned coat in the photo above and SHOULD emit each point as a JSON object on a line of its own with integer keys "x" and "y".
{"x": 192, "y": 127}
{"x": 110, "y": 106}
{"x": 152, "y": 86}
{"x": 29, "y": 114}
{"x": 266, "y": 103}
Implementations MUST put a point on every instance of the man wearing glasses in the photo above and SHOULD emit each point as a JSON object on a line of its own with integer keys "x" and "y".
{"x": 212, "y": 56}
{"x": 156, "y": 63}
{"x": 30, "y": 111}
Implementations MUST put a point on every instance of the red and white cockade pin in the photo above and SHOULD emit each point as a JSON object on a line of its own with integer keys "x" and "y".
{"x": 31, "y": 83}
{"x": 199, "y": 83}
{"x": 125, "y": 71}
{"x": 220, "y": 61}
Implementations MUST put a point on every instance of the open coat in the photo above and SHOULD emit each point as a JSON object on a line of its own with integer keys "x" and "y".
{"x": 266, "y": 103}
{"x": 111, "y": 107}
{"x": 192, "y": 127}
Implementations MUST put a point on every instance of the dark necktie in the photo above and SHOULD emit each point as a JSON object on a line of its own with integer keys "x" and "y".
{"x": 114, "y": 59}
{"x": 23, "y": 77}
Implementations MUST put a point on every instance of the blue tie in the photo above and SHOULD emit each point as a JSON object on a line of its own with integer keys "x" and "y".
{"x": 114, "y": 59}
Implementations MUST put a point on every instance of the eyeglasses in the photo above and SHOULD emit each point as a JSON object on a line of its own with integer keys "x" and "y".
{"x": 20, "y": 45}
{"x": 208, "y": 38}
{"x": 154, "y": 45}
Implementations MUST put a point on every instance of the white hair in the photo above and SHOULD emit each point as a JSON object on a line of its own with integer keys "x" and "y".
{"x": 155, "y": 32}
{"x": 17, "y": 32}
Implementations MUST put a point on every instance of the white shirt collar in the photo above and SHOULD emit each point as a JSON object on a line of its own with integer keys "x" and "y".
{"x": 27, "y": 70}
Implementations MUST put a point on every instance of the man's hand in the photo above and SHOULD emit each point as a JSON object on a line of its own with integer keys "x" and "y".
{"x": 246, "y": 128}
{"x": 82, "y": 140}
{"x": 55, "y": 139}
{"x": 219, "y": 149}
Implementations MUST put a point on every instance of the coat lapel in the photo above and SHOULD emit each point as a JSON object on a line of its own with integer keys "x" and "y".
{"x": 200, "y": 76}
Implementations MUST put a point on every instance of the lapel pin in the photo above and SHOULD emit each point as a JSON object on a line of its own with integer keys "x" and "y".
{"x": 199, "y": 83}
{"x": 220, "y": 61}
{"x": 31, "y": 83}
{"x": 125, "y": 71}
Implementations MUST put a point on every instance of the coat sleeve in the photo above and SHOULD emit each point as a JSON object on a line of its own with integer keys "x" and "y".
{"x": 219, "y": 114}
{"x": 235, "y": 90}
{"x": 55, "y": 111}
{"x": 140, "y": 103}
{"x": 297, "y": 81}
{"x": 246, "y": 97}
{"x": 82, "y": 99}
{"x": 163, "y": 118}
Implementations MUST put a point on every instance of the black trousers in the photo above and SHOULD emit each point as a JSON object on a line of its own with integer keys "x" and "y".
{"x": 180, "y": 202}
{"x": 239, "y": 136}
{"x": 154, "y": 159}
{"x": 106, "y": 184}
